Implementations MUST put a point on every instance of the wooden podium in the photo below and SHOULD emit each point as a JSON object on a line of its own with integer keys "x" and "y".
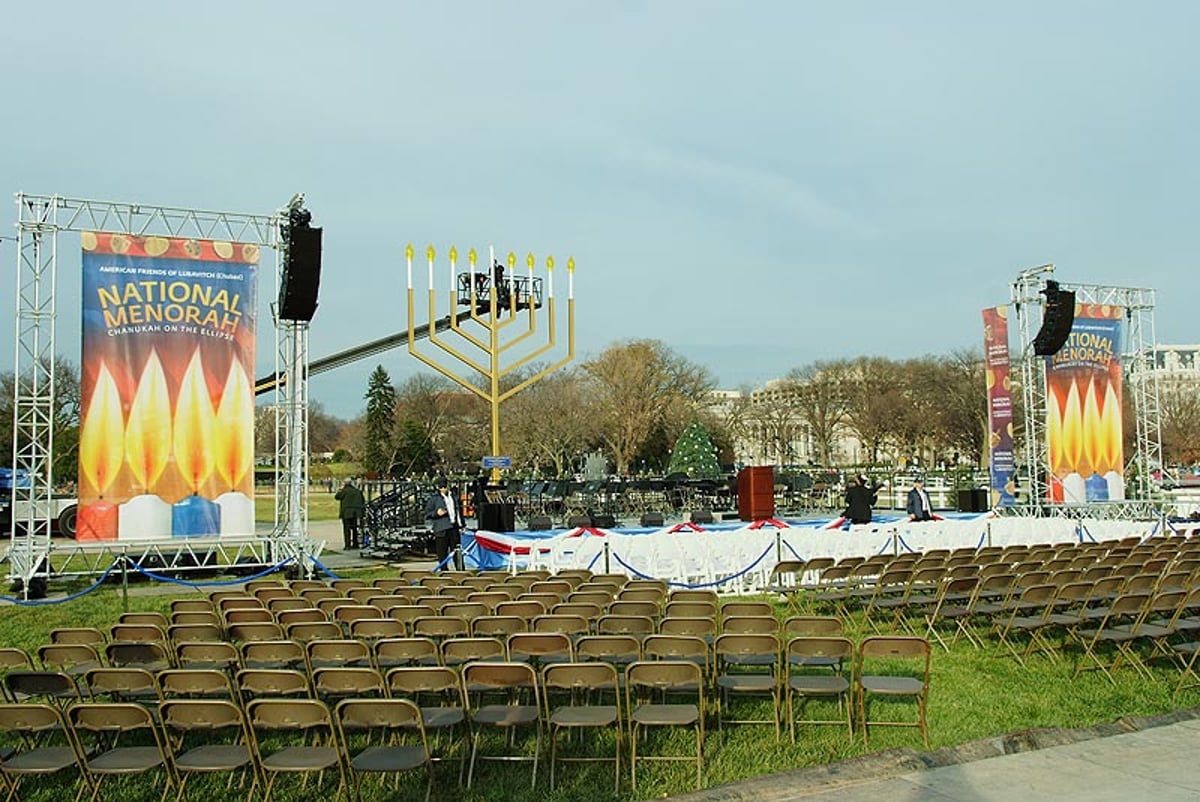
{"x": 756, "y": 492}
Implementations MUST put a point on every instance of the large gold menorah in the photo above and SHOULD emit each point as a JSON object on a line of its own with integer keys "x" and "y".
{"x": 487, "y": 295}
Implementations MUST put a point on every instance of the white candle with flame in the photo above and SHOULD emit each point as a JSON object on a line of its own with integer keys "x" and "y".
{"x": 409, "y": 260}
{"x": 144, "y": 517}
{"x": 1074, "y": 488}
{"x": 237, "y": 513}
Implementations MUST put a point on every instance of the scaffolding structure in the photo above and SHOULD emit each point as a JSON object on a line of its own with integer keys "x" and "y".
{"x": 1140, "y": 381}
{"x": 40, "y": 220}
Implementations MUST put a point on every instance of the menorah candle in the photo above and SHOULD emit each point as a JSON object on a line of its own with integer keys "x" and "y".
{"x": 145, "y": 516}
{"x": 97, "y": 521}
{"x": 1074, "y": 488}
{"x": 192, "y": 516}
{"x": 1116, "y": 486}
{"x": 237, "y": 513}
{"x": 1055, "y": 489}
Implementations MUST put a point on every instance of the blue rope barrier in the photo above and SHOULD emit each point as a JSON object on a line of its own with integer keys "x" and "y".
{"x": 900, "y": 539}
{"x": 594, "y": 559}
{"x": 211, "y": 583}
{"x": 721, "y": 581}
{"x": 323, "y": 567}
{"x": 982, "y": 540}
{"x": 885, "y": 545}
{"x": 792, "y": 550}
{"x": 1083, "y": 530}
{"x": 440, "y": 566}
{"x": 72, "y": 597}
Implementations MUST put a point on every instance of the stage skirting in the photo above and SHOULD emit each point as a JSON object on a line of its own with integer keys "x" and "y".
{"x": 738, "y": 557}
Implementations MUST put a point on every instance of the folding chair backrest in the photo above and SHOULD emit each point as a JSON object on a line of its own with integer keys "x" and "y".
{"x": 813, "y": 626}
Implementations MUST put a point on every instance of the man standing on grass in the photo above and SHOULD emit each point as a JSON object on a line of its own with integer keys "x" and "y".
{"x": 351, "y": 506}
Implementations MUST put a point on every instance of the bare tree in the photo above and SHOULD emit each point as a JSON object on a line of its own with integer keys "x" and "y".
{"x": 635, "y": 386}
{"x": 875, "y": 406}
{"x": 823, "y": 401}
{"x": 544, "y": 422}
{"x": 1180, "y": 409}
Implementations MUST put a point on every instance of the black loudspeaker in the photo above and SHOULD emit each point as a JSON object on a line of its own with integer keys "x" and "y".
{"x": 540, "y": 523}
{"x": 604, "y": 521}
{"x": 578, "y": 521}
{"x": 1057, "y": 319}
{"x": 301, "y": 274}
{"x": 701, "y": 517}
{"x": 498, "y": 517}
{"x": 652, "y": 519}
{"x": 973, "y": 500}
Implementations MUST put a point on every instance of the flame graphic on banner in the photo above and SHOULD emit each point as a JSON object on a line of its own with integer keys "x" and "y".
{"x": 1095, "y": 450}
{"x": 194, "y": 425}
{"x": 148, "y": 434}
{"x": 1054, "y": 425}
{"x": 100, "y": 445}
{"x": 235, "y": 416}
{"x": 1072, "y": 431}
{"x": 1112, "y": 431}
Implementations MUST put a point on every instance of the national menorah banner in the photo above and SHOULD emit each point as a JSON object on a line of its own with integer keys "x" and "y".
{"x": 166, "y": 444}
{"x": 1001, "y": 463}
{"x": 1084, "y": 431}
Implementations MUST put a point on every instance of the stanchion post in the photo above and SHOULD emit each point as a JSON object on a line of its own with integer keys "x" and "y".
{"x": 989, "y": 532}
{"x": 125, "y": 579}
{"x": 607, "y": 566}
{"x": 458, "y": 557}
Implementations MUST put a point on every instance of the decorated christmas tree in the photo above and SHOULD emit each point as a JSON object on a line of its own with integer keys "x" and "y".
{"x": 694, "y": 454}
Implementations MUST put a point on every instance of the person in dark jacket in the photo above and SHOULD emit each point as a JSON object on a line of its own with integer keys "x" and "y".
{"x": 351, "y": 506}
{"x": 859, "y": 500}
{"x": 444, "y": 517}
{"x": 919, "y": 507}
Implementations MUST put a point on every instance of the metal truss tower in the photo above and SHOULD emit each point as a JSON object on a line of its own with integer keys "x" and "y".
{"x": 1140, "y": 379}
{"x": 40, "y": 219}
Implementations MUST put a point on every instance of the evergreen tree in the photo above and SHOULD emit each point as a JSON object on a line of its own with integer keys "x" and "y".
{"x": 694, "y": 454}
{"x": 379, "y": 427}
{"x": 414, "y": 452}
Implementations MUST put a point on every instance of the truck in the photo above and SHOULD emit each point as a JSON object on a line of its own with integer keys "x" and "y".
{"x": 64, "y": 508}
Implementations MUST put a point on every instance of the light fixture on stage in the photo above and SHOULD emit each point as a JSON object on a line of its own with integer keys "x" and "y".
{"x": 302, "y": 265}
{"x": 1058, "y": 317}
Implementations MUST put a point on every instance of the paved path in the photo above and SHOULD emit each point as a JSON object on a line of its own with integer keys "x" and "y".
{"x": 1157, "y": 762}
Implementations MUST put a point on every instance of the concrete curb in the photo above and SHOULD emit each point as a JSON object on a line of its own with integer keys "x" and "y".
{"x": 885, "y": 765}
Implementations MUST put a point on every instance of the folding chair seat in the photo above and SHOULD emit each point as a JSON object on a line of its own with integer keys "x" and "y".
{"x": 579, "y": 685}
{"x": 887, "y": 595}
{"x": 1030, "y": 616}
{"x": 786, "y": 579}
{"x": 813, "y": 626}
{"x": 540, "y": 648}
{"x": 953, "y": 605}
{"x": 311, "y": 746}
{"x": 41, "y": 746}
{"x": 14, "y": 659}
{"x": 458, "y": 652}
{"x": 747, "y": 665}
{"x": 206, "y": 737}
{"x": 819, "y": 669}
{"x": 836, "y": 588}
{"x": 333, "y": 683}
{"x": 382, "y": 738}
{"x": 194, "y": 683}
{"x": 517, "y": 684}
{"x": 439, "y": 692}
{"x": 337, "y": 652}
{"x": 116, "y": 739}
{"x": 403, "y": 652}
{"x": 1116, "y": 630}
{"x": 893, "y": 668}
{"x": 664, "y": 694}
{"x": 217, "y": 655}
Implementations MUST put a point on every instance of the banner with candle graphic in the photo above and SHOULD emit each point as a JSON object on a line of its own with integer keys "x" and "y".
{"x": 166, "y": 443}
{"x": 1002, "y": 465}
{"x": 1084, "y": 432}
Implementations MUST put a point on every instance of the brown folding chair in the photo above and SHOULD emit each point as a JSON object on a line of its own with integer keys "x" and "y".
{"x": 647, "y": 685}
{"x": 439, "y": 693}
{"x": 194, "y": 683}
{"x": 460, "y": 651}
{"x": 401, "y": 652}
{"x": 332, "y": 684}
{"x": 256, "y": 683}
{"x": 819, "y": 669}
{"x": 336, "y": 653}
{"x": 383, "y": 738}
{"x": 893, "y": 668}
{"x": 43, "y": 746}
{"x": 273, "y": 654}
{"x": 580, "y": 684}
{"x": 135, "y": 685}
{"x": 115, "y": 739}
{"x": 517, "y": 684}
{"x": 201, "y": 654}
{"x": 747, "y": 665}
{"x": 206, "y": 737}
{"x": 303, "y": 742}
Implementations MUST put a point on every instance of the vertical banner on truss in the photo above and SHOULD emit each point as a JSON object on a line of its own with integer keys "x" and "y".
{"x": 1001, "y": 463}
{"x": 166, "y": 445}
{"x": 1084, "y": 432}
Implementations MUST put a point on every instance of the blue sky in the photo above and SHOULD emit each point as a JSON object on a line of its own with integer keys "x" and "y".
{"x": 759, "y": 185}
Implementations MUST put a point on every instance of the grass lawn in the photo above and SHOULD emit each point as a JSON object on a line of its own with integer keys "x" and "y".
{"x": 974, "y": 694}
{"x": 321, "y": 506}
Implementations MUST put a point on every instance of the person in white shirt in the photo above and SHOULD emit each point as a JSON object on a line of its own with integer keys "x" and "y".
{"x": 919, "y": 506}
{"x": 444, "y": 517}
